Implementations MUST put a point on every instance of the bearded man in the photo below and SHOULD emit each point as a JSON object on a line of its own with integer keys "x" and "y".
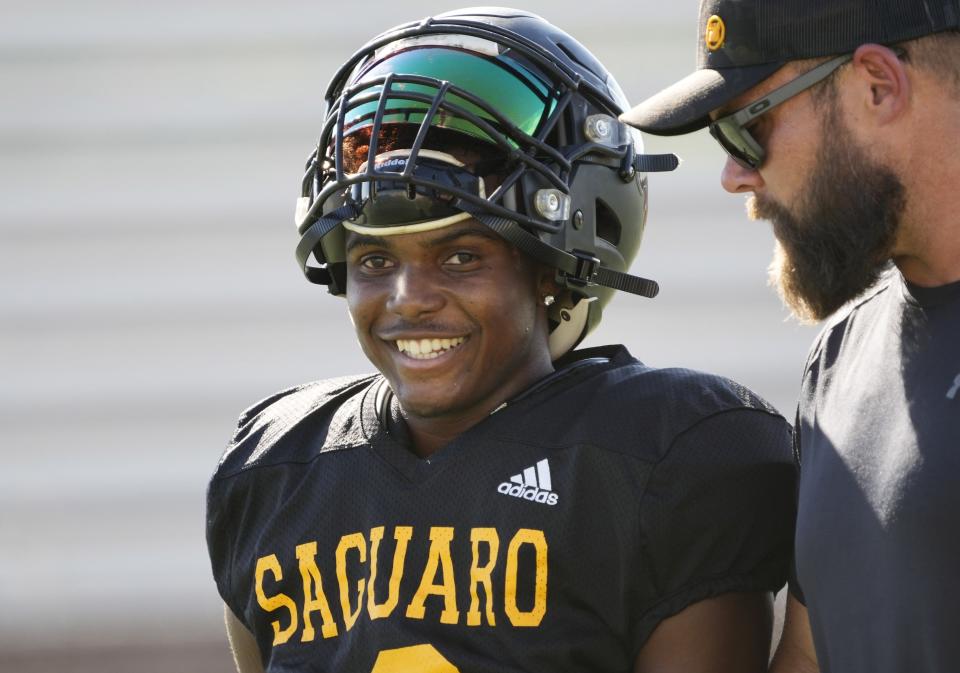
{"x": 840, "y": 121}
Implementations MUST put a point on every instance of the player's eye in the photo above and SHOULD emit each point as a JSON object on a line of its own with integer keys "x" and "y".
{"x": 375, "y": 262}
{"x": 460, "y": 258}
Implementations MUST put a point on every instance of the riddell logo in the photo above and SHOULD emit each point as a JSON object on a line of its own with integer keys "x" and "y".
{"x": 532, "y": 484}
{"x": 395, "y": 162}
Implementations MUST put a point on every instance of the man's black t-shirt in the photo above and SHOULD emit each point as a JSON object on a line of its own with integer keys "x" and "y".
{"x": 878, "y": 528}
{"x": 553, "y": 536}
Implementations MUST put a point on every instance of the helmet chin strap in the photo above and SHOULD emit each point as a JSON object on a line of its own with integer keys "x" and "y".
{"x": 577, "y": 268}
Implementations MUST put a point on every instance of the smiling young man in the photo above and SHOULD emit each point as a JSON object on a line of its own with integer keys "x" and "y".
{"x": 451, "y": 319}
{"x": 491, "y": 499}
{"x": 840, "y": 121}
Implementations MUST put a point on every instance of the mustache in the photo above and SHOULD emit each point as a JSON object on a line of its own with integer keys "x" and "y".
{"x": 426, "y": 327}
{"x": 761, "y": 208}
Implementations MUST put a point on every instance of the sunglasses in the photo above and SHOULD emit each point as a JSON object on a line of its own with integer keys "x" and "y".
{"x": 731, "y": 131}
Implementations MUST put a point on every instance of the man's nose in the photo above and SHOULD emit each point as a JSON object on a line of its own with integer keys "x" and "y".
{"x": 737, "y": 179}
{"x": 415, "y": 293}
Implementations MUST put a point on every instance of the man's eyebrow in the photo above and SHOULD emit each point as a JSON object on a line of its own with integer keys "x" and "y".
{"x": 358, "y": 240}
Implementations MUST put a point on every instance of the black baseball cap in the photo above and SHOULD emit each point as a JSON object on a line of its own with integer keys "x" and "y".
{"x": 742, "y": 42}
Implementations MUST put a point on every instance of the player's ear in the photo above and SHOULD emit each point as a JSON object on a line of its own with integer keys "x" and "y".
{"x": 882, "y": 83}
{"x": 547, "y": 284}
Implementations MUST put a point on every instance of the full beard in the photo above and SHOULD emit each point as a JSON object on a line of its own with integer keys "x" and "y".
{"x": 838, "y": 239}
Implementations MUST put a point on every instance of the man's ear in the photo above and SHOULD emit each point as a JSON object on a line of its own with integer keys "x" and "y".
{"x": 885, "y": 84}
{"x": 547, "y": 280}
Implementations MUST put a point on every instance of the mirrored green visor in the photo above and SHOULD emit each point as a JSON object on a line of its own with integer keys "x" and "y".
{"x": 502, "y": 83}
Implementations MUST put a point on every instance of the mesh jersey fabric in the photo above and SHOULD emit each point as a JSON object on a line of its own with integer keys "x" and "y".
{"x": 553, "y": 536}
{"x": 877, "y": 436}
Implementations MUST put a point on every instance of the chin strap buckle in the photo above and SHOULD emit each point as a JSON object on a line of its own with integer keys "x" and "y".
{"x": 586, "y": 270}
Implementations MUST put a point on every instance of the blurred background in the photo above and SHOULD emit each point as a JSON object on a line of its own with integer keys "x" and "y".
{"x": 150, "y": 155}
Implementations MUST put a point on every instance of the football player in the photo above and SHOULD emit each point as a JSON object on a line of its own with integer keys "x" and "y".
{"x": 491, "y": 499}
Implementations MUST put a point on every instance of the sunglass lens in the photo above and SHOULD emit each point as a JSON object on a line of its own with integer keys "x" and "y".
{"x": 736, "y": 141}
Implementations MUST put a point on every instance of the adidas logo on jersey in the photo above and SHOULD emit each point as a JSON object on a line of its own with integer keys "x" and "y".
{"x": 531, "y": 484}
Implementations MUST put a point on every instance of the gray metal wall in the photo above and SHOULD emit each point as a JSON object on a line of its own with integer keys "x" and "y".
{"x": 150, "y": 154}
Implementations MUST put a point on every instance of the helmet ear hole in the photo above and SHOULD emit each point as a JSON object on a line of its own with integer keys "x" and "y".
{"x": 570, "y": 320}
{"x": 608, "y": 224}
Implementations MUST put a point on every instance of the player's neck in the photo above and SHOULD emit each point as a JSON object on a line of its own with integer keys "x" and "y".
{"x": 427, "y": 438}
{"x": 430, "y": 433}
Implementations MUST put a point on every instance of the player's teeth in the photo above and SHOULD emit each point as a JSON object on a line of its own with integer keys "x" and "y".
{"x": 427, "y": 348}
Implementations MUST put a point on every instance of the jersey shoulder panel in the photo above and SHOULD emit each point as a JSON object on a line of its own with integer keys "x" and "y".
{"x": 296, "y": 424}
{"x": 623, "y": 404}
{"x": 715, "y": 508}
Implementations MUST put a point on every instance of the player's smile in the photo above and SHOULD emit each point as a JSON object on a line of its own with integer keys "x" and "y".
{"x": 451, "y": 317}
{"x": 430, "y": 348}
{"x": 427, "y": 353}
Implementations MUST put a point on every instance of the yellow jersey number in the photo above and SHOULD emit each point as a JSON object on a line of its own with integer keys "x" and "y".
{"x": 413, "y": 659}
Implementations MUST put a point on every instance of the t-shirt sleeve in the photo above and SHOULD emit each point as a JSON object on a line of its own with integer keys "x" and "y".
{"x": 220, "y": 543}
{"x": 718, "y": 513}
{"x": 226, "y": 509}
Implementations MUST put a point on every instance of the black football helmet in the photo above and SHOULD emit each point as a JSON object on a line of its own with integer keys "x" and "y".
{"x": 548, "y": 165}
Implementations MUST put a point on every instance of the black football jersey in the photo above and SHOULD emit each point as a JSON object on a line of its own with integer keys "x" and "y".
{"x": 553, "y": 536}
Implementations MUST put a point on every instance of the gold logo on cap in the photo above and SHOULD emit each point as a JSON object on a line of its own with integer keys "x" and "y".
{"x": 716, "y": 32}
